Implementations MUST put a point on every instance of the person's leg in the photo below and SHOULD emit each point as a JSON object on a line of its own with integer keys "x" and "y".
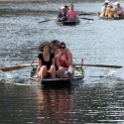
{"x": 43, "y": 72}
{"x": 61, "y": 72}
{"x": 70, "y": 71}
{"x": 52, "y": 71}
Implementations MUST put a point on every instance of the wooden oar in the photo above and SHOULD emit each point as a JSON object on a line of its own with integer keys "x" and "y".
{"x": 100, "y": 65}
{"x": 48, "y": 20}
{"x": 86, "y": 18}
{"x": 17, "y": 67}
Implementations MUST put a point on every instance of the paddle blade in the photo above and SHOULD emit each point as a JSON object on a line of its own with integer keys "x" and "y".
{"x": 16, "y": 67}
{"x": 86, "y": 18}
{"x": 47, "y": 20}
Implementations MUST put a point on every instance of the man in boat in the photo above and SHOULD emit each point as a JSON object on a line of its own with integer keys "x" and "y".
{"x": 66, "y": 8}
{"x": 64, "y": 62}
{"x": 62, "y": 15}
{"x": 46, "y": 62}
{"x": 103, "y": 10}
{"x": 56, "y": 47}
{"x": 109, "y": 11}
{"x": 71, "y": 13}
{"x": 119, "y": 11}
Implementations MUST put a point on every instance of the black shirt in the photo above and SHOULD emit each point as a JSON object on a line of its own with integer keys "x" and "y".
{"x": 47, "y": 63}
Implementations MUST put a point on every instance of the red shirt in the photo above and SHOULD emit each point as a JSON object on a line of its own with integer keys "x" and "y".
{"x": 62, "y": 63}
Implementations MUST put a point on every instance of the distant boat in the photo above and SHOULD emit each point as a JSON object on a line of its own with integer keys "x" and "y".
{"x": 108, "y": 18}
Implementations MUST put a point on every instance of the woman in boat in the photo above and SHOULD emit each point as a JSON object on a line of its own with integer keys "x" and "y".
{"x": 109, "y": 11}
{"x": 64, "y": 62}
{"x": 119, "y": 11}
{"x": 71, "y": 13}
{"x": 103, "y": 10}
{"x": 46, "y": 62}
{"x": 62, "y": 15}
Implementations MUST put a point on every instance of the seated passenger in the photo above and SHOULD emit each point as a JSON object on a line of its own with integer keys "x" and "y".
{"x": 109, "y": 11}
{"x": 64, "y": 62}
{"x": 46, "y": 62}
{"x": 71, "y": 13}
{"x": 62, "y": 15}
{"x": 66, "y": 8}
{"x": 55, "y": 48}
{"x": 119, "y": 11}
{"x": 103, "y": 10}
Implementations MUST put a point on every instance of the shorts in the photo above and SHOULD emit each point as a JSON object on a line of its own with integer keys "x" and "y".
{"x": 65, "y": 73}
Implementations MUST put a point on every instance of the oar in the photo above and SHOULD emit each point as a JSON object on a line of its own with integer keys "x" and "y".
{"x": 16, "y": 67}
{"x": 100, "y": 65}
{"x": 48, "y": 20}
{"x": 86, "y": 18}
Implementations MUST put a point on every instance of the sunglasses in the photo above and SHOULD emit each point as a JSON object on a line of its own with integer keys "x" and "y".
{"x": 62, "y": 47}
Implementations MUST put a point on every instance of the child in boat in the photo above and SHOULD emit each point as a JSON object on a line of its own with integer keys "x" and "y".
{"x": 46, "y": 62}
{"x": 109, "y": 11}
{"x": 71, "y": 13}
{"x": 103, "y": 10}
{"x": 119, "y": 11}
{"x": 62, "y": 15}
{"x": 64, "y": 62}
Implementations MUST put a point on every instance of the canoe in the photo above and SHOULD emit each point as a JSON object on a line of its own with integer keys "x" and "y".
{"x": 79, "y": 75}
{"x": 68, "y": 23}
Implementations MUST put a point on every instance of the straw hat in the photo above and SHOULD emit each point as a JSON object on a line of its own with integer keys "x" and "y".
{"x": 55, "y": 42}
{"x": 116, "y": 3}
{"x": 45, "y": 44}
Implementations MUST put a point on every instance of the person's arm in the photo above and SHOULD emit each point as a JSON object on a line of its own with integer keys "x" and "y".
{"x": 57, "y": 61}
{"x": 69, "y": 61}
{"x": 53, "y": 61}
{"x": 39, "y": 66}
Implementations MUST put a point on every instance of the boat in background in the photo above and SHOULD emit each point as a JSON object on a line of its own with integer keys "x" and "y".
{"x": 68, "y": 23}
{"x": 78, "y": 76}
{"x": 108, "y": 18}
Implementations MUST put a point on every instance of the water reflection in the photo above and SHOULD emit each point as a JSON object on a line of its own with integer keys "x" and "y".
{"x": 54, "y": 105}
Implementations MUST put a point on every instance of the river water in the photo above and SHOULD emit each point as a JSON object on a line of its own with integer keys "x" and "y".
{"x": 98, "y": 98}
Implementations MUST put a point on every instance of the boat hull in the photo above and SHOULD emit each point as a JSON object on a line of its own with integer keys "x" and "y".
{"x": 68, "y": 23}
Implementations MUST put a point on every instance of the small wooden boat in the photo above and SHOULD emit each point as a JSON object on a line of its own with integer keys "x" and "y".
{"x": 108, "y": 18}
{"x": 79, "y": 75}
{"x": 69, "y": 23}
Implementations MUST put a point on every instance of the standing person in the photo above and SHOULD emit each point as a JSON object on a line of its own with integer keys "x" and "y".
{"x": 119, "y": 11}
{"x": 71, "y": 13}
{"x": 64, "y": 62}
{"x": 62, "y": 15}
{"x": 109, "y": 11}
{"x": 46, "y": 62}
{"x": 103, "y": 10}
